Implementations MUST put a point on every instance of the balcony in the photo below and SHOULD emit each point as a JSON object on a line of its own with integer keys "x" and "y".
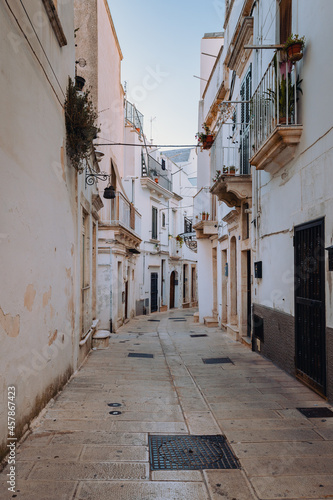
{"x": 275, "y": 127}
{"x": 125, "y": 221}
{"x": 133, "y": 117}
{"x": 204, "y": 213}
{"x": 232, "y": 182}
{"x": 155, "y": 177}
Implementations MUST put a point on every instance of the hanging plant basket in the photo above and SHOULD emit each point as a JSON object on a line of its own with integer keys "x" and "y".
{"x": 207, "y": 142}
{"x": 295, "y": 52}
{"x": 80, "y": 118}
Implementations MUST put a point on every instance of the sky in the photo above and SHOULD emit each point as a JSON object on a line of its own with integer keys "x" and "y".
{"x": 160, "y": 42}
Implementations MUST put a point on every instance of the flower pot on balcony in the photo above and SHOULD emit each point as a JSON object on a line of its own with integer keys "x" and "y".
{"x": 207, "y": 142}
{"x": 295, "y": 51}
{"x": 156, "y": 180}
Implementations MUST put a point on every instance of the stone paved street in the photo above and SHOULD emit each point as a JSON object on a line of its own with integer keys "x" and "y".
{"x": 79, "y": 451}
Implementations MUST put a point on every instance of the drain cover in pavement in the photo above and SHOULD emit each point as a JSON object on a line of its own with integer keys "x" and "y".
{"x": 171, "y": 317}
{"x": 190, "y": 453}
{"x": 154, "y": 320}
{"x": 140, "y": 355}
{"x": 318, "y": 412}
{"x": 199, "y": 335}
{"x": 114, "y": 405}
{"x": 216, "y": 361}
{"x": 115, "y": 412}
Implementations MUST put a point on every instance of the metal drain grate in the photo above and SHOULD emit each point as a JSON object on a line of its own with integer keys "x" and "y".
{"x": 216, "y": 361}
{"x": 177, "y": 318}
{"x": 318, "y": 412}
{"x": 190, "y": 453}
{"x": 156, "y": 320}
{"x": 199, "y": 335}
{"x": 140, "y": 355}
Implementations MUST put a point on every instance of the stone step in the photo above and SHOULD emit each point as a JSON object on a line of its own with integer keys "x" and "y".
{"x": 233, "y": 331}
{"x": 196, "y": 317}
{"x": 211, "y": 322}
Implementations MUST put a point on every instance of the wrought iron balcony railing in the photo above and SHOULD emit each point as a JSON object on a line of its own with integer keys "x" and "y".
{"x": 153, "y": 169}
{"x": 231, "y": 150}
{"x": 134, "y": 117}
{"x": 123, "y": 213}
{"x": 275, "y": 101}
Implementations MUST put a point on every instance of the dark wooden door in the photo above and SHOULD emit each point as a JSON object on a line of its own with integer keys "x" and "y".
{"x": 154, "y": 292}
{"x": 126, "y": 299}
{"x": 172, "y": 290}
{"x": 310, "y": 304}
{"x": 249, "y": 297}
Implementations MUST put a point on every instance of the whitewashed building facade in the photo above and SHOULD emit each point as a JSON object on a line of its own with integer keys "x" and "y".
{"x": 274, "y": 222}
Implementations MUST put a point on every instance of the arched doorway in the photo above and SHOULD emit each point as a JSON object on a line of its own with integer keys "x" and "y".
{"x": 172, "y": 289}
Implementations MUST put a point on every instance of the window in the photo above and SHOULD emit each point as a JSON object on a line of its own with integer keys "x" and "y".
{"x": 285, "y": 19}
{"x": 154, "y": 224}
{"x": 163, "y": 219}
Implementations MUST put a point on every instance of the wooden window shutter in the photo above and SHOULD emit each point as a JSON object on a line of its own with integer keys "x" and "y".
{"x": 285, "y": 19}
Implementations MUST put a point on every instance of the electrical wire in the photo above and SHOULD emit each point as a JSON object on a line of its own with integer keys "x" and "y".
{"x": 34, "y": 53}
{"x": 149, "y": 145}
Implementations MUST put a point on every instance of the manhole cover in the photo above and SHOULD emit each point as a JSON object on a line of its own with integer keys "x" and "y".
{"x": 215, "y": 361}
{"x": 199, "y": 335}
{"x": 140, "y": 355}
{"x": 190, "y": 453}
{"x": 318, "y": 412}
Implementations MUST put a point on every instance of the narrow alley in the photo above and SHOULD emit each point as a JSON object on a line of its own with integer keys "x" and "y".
{"x": 92, "y": 441}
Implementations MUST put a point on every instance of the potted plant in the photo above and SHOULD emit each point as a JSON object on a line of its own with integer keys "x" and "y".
{"x": 207, "y": 216}
{"x": 294, "y": 47}
{"x": 206, "y": 138}
{"x": 179, "y": 240}
{"x": 80, "y": 119}
{"x": 229, "y": 170}
{"x": 203, "y": 216}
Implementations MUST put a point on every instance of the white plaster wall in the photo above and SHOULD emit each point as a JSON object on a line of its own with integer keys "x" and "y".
{"x": 38, "y": 217}
{"x": 205, "y": 279}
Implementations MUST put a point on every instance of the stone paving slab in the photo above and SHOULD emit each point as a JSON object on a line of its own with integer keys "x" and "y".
{"x": 293, "y": 487}
{"x": 262, "y": 435}
{"x": 35, "y": 490}
{"x": 287, "y": 466}
{"x": 272, "y": 423}
{"x": 98, "y": 453}
{"x": 66, "y": 471}
{"x": 146, "y": 491}
{"x": 100, "y": 438}
{"x": 277, "y": 449}
{"x": 228, "y": 485}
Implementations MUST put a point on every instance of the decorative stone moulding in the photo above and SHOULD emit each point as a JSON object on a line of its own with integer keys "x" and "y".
{"x": 239, "y": 55}
{"x": 232, "y": 189}
{"x": 279, "y": 149}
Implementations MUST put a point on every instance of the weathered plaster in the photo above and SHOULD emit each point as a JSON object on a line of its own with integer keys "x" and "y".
{"x": 29, "y": 297}
{"x": 11, "y": 324}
